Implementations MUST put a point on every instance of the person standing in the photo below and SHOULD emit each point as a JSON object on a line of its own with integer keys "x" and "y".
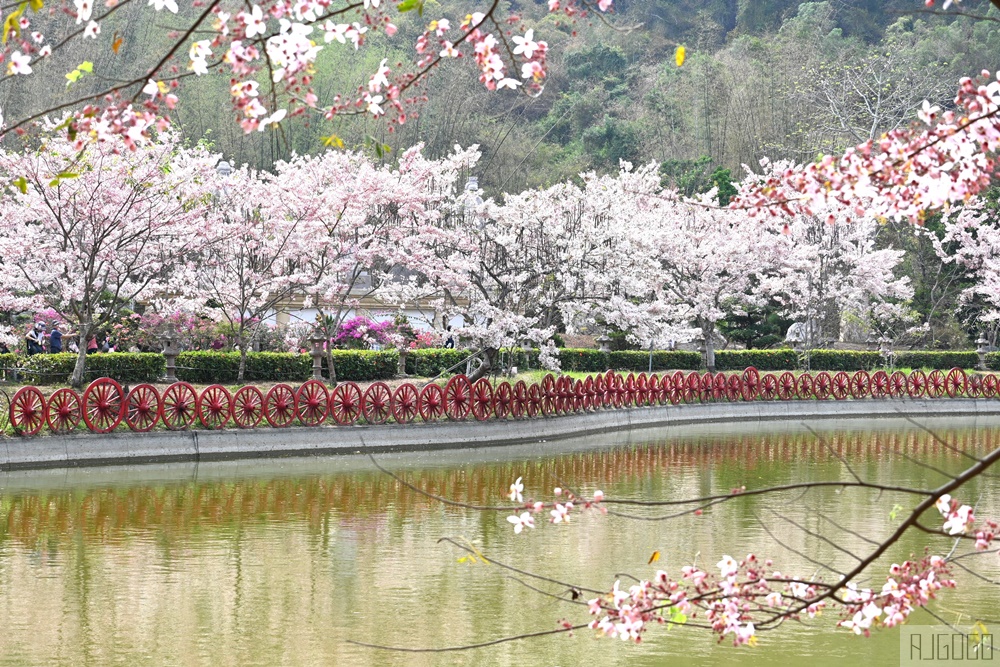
{"x": 55, "y": 339}
{"x": 36, "y": 339}
{"x": 449, "y": 343}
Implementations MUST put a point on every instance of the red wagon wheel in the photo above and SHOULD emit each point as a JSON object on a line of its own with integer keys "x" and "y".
{"x": 916, "y": 384}
{"x": 655, "y": 388}
{"x": 581, "y": 399}
{"x": 956, "y": 382}
{"x": 641, "y": 382}
{"x": 312, "y": 403}
{"x": 990, "y": 386}
{"x": 376, "y": 404}
{"x": 103, "y": 405}
{"x": 675, "y": 387}
{"x": 142, "y": 408}
{"x": 706, "y": 388}
{"x": 279, "y": 406}
{"x": 719, "y": 384}
{"x": 431, "y": 403}
{"x": 786, "y": 386}
{"x": 935, "y": 384}
{"x": 631, "y": 387}
{"x": 27, "y": 411}
{"x": 860, "y": 384}
{"x": 822, "y": 386}
{"x": 841, "y": 386}
{"x": 535, "y": 400}
{"x": 177, "y": 409}
{"x": 974, "y": 389}
{"x": 248, "y": 407}
{"x": 692, "y": 387}
{"x": 503, "y": 399}
{"x": 548, "y": 385}
{"x": 481, "y": 400}
{"x": 566, "y": 393}
{"x": 618, "y": 392}
{"x": 345, "y": 403}
{"x": 804, "y": 386}
{"x": 214, "y": 406}
{"x": 880, "y": 384}
{"x": 768, "y": 387}
{"x": 897, "y": 384}
{"x": 519, "y": 400}
{"x": 457, "y": 398}
{"x": 600, "y": 391}
{"x": 734, "y": 388}
{"x": 593, "y": 399}
{"x": 405, "y": 403}
{"x": 751, "y": 380}
{"x": 63, "y": 412}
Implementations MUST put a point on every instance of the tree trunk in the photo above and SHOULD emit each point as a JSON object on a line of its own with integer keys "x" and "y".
{"x": 243, "y": 363}
{"x": 329, "y": 364}
{"x": 489, "y": 358}
{"x": 76, "y": 380}
{"x": 708, "y": 331}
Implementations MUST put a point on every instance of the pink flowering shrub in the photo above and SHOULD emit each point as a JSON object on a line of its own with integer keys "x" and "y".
{"x": 362, "y": 333}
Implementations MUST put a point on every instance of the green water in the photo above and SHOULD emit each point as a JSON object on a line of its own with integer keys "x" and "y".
{"x": 282, "y": 563}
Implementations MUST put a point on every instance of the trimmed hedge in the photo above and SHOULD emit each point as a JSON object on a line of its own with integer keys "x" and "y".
{"x": 843, "y": 360}
{"x": 993, "y": 361}
{"x": 125, "y": 367}
{"x": 363, "y": 365}
{"x": 941, "y": 360}
{"x": 763, "y": 360}
{"x": 663, "y": 360}
{"x": 224, "y": 367}
{"x": 433, "y": 361}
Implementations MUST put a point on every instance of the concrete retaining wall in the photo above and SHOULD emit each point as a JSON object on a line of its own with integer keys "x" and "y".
{"x": 166, "y": 446}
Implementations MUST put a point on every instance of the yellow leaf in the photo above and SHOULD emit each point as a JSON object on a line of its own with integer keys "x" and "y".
{"x": 12, "y": 24}
{"x": 36, "y": 5}
{"x": 679, "y": 55}
{"x": 333, "y": 140}
{"x": 655, "y": 557}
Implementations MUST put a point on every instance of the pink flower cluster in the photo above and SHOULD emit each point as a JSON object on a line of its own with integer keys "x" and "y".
{"x": 903, "y": 174}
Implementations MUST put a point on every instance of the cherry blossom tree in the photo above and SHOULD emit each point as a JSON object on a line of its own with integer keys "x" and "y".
{"x": 830, "y": 266}
{"x": 252, "y": 258}
{"x": 374, "y": 229}
{"x": 972, "y": 241}
{"x": 113, "y": 227}
{"x": 703, "y": 264}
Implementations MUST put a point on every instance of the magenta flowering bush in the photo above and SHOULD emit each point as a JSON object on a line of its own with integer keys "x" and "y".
{"x": 361, "y": 333}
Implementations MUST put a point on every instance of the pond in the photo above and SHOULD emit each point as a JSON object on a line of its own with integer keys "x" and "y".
{"x": 284, "y": 562}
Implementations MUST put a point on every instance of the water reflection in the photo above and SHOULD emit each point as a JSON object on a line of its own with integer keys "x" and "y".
{"x": 283, "y": 567}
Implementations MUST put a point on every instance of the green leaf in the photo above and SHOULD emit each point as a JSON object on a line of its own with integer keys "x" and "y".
{"x": 896, "y": 509}
{"x": 409, "y": 5}
{"x": 73, "y": 77}
{"x": 67, "y": 174}
{"x": 86, "y": 66}
{"x": 22, "y": 184}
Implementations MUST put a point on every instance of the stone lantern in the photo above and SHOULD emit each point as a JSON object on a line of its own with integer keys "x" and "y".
{"x": 604, "y": 343}
{"x": 317, "y": 339}
{"x": 170, "y": 351}
{"x": 982, "y": 347}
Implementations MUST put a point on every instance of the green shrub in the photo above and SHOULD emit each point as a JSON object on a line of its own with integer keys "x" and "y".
{"x": 224, "y": 367}
{"x": 125, "y": 367}
{"x": 941, "y": 360}
{"x": 663, "y": 360}
{"x": 843, "y": 360}
{"x": 762, "y": 360}
{"x": 993, "y": 361}
{"x": 432, "y": 361}
{"x": 362, "y": 365}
